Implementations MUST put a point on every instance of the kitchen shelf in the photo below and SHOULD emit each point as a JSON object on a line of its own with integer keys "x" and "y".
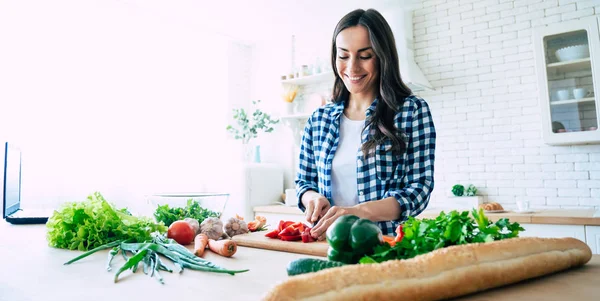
{"x": 574, "y": 65}
{"x": 296, "y": 123}
{"x": 311, "y": 79}
{"x": 570, "y": 101}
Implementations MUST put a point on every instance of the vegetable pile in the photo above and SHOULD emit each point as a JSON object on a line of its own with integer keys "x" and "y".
{"x": 423, "y": 236}
{"x": 169, "y": 215}
{"x": 353, "y": 240}
{"x": 148, "y": 254}
{"x": 95, "y": 222}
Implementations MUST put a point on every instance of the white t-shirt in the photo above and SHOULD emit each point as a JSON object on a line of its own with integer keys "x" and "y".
{"x": 344, "y": 165}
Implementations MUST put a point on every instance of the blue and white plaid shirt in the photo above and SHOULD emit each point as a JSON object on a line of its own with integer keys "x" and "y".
{"x": 408, "y": 178}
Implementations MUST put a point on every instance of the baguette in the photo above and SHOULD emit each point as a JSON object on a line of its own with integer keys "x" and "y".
{"x": 444, "y": 273}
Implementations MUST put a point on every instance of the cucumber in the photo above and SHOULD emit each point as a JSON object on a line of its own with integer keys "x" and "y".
{"x": 310, "y": 265}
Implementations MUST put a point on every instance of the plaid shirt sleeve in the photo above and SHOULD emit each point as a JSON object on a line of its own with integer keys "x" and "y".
{"x": 417, "y": 184}
{"x": 306, "y": 177}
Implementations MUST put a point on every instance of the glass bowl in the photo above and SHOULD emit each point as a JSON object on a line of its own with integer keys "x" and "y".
{"x": 213, "y": 201}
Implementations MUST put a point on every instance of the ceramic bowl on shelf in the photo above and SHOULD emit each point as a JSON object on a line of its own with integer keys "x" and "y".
{"x": 580, "y": 93}
{"x": 562, "y": 94}
{"x": 574, "y": 52}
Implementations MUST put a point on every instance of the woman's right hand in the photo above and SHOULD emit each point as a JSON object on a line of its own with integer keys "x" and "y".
{"x": 316, "y": 206}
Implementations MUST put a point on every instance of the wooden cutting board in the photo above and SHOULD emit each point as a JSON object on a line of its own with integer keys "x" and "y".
{"x": 258, "y": 240}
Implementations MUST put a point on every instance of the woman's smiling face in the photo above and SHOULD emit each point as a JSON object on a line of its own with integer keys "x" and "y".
{"x": 355, "y": 60}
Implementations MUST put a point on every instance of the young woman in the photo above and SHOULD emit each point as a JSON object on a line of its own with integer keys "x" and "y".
{"x": 370, "y": 153}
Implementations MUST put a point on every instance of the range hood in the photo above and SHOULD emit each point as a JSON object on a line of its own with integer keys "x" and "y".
{"x": 400, "y": 21}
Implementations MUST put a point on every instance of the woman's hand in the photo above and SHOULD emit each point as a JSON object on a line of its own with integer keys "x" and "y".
{"x": 332, "y": 214}
{"x": 316, "y": 207}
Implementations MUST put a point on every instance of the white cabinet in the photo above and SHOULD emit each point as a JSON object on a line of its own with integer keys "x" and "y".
{"x": 553, "y": 231}
{"x": 588, "y": 234}
{"x": 592, "y": 238}
{"x": 567, "y": 59}
{"x": 251, "y": 185}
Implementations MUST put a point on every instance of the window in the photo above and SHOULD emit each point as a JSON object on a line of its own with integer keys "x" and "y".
{"x": 103, "y": 98}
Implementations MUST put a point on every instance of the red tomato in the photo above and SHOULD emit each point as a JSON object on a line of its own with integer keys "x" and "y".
{"x": 182, "y": 232}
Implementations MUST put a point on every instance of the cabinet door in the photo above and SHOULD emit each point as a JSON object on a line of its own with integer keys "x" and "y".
{"x": 553, "y": 231}
{"x": 592, "y": 236}
{"x": 567, "y": 59}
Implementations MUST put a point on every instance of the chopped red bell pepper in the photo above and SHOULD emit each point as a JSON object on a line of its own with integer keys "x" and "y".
{"x": 273, "y": 234}
{"x": 284, "y": 224}
{"x": 280, "y": 226}
{"x": 300, "y": 226}
{"x": 290, "y": 230}
{"x": 390, "y": 240}
{"x": 290, "y": 237}
{"x": 306, "y": 237}
{"x": 399, "y": 233}
{"x": 296, "y": 228}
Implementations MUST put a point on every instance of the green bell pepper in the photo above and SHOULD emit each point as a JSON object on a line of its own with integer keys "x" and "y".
{"x": 350, "y": 238}
{"x": 365, "y": 235}
{"x": 338, "y": 234}
{"x": 341, "y": 256}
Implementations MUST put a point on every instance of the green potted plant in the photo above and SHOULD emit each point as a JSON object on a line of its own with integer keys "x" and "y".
{"x": 248, "y": 127}
{"x": 465, "y": 197}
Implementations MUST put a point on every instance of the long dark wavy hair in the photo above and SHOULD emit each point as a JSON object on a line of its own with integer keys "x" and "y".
{"x": 392, "y": 90}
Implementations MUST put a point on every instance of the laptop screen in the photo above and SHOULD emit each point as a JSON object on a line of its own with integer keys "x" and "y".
{"x": 12, "y": 179}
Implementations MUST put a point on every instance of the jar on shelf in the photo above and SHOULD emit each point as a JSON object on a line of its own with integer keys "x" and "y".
{"x": 305, "y": 71}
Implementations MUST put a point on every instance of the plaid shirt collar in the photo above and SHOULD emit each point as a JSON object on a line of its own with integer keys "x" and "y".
{"x": 338, "y": 108}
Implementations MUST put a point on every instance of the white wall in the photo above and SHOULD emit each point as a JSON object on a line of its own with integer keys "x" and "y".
{"x": 480, "y": 58}
{"x": 110, "y": 96}
{"x": 272, "y": 58}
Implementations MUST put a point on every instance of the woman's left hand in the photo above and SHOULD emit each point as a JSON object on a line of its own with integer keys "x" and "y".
{"x": 332, "y": 214}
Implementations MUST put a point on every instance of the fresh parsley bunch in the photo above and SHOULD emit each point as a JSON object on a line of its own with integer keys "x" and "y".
{"x": 169, "y": 215}
{"x": 455, "y": 228}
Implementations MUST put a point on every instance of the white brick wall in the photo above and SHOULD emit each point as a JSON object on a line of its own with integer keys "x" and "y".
{"x": 486, "y": 106}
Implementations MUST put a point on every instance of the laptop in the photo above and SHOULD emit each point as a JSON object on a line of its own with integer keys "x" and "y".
{"x": 11, "y": 196}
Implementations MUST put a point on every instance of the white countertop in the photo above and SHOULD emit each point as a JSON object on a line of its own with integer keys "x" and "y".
{"x": 32, "y": 271}
{"x": 39, "y": 273}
